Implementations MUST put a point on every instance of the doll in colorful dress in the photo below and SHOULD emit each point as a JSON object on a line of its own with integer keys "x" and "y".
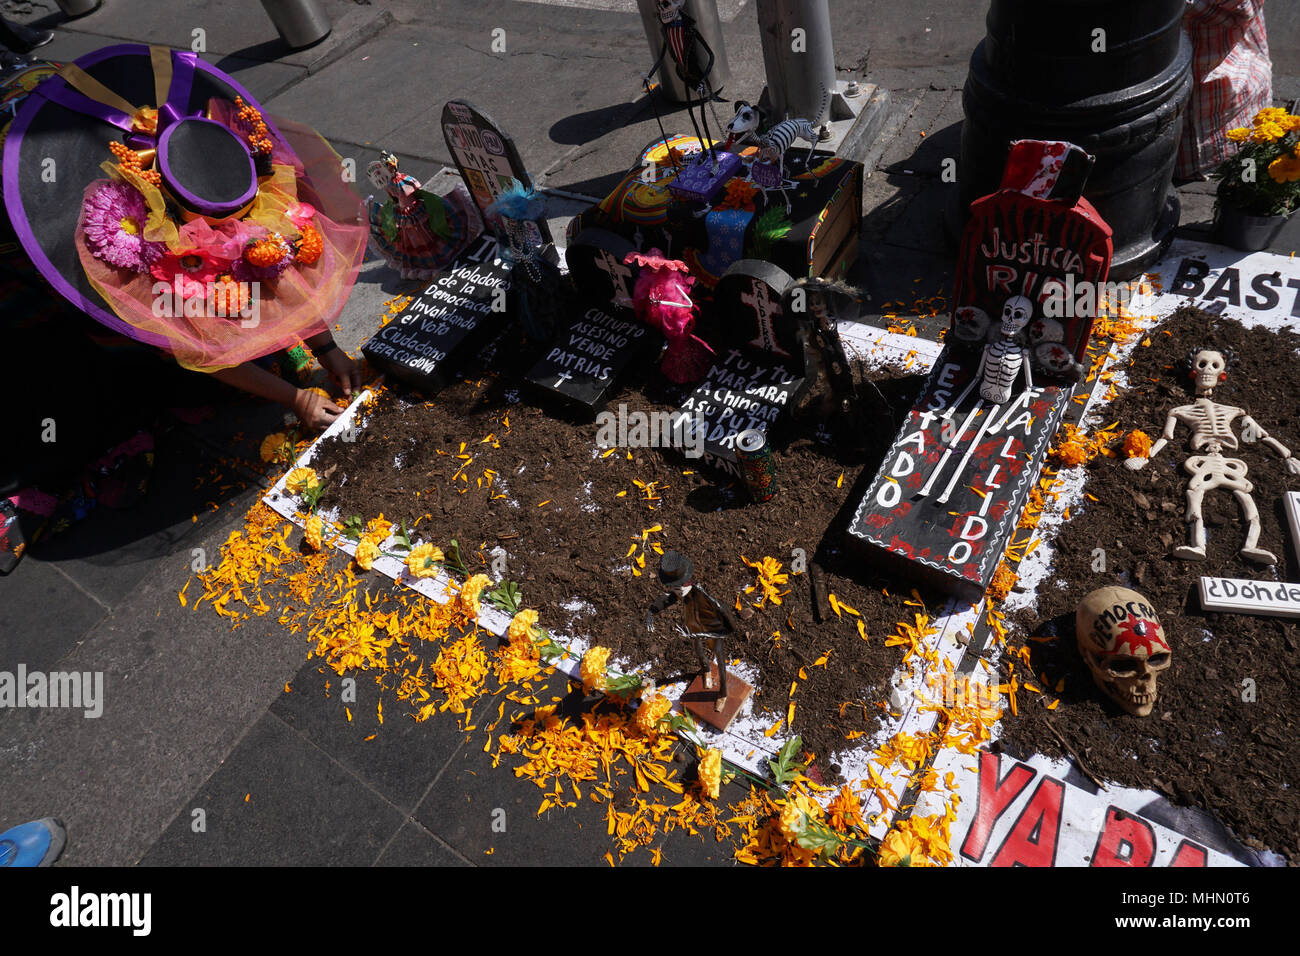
{"x": 416, "y": 232}
{"x": 662, "y": 300}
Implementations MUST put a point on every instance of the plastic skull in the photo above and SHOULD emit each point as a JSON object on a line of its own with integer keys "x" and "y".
{"x": 1124, "y": 645}
{"x": 1016, "y": 314}
{"x": 668, "y": 9}
{"x": 1209, "y": 369}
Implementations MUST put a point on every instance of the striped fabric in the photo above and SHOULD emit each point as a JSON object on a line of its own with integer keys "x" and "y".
{"x": 1232, "y": 79}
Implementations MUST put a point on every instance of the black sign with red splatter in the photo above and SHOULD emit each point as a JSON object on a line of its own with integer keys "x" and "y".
{"x": 1056, "y": 255}
{"x": 955, "y": 543}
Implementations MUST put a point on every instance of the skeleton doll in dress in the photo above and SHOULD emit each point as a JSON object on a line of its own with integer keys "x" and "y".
{"x": 1002, "y": 362}
{"x": 1212, "y": 434}
{"x": 662, "y": 300}
{"x": 416, "y": 232}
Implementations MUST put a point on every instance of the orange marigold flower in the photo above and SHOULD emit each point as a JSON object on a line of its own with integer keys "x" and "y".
{"x": 267, "y": 252}
{"x": 423, "y": 560}
{"x": 229, "y": 298}
{"x": 299, "y": 480}
{"x": 311, "y": 532}
{"x": 1239, "y": 135}
{"x": 310, "y": 246}
{"x": 471, "y": 591}
{"x": 1284, "y": 169}
{"x": 1137, "y": 444}
{"x": 367, "y": 552}
{"x": 592, "y": 670}
{"x": 277, "y": 447}
{"x": 711, "y": 772}
{"x": 900, "y": 848}
{"x": 523, "y": 626}
{"x": 1004, "y": 579}
{"x": 1072, "y": 453}
{"x": 652, "y": 710}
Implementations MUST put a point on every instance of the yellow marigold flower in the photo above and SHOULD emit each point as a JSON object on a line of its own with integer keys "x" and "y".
{"x": 367, "y": 551}
{"x": 311, "y": 532}
{"x": 523, "y": 625}
{"x": 711, "y": 772}
{"x": 299, "y": 480}
{"x": 379, "y": 528}
{"x": 652, "y": 710}
{"x": 1268, "y": 132}
{"x": 1284, "y": 169}
{"x": 1239, "y": 135}
{"x": 423, "y": 559}
{"x": 470, "y": 592}
{"x": 593, "y": 667}
{"x": 1271, "y": 114}
{"x": 1137, "y": 444}
{"x": 277, "y": 447}
{"x": 901, "y": 848}
{"x": 792, "y": 821}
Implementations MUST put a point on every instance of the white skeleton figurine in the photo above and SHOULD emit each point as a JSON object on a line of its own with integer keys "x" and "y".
{"x": 1211, "y": 426}
{"x": 1000, "y": 365}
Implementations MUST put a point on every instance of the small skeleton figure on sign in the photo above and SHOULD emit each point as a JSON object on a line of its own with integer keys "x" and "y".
{"x": 703, "y": 619}
{"x": 1212, "y": 433}
{"x": 818, "y": 305}
{"x": 768, "y": 169}
{"x": 693, "y": 60}
{"x": 1001, "y": 364}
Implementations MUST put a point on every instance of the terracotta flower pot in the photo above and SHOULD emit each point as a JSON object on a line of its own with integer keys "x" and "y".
{"x": 1234, "y": 228}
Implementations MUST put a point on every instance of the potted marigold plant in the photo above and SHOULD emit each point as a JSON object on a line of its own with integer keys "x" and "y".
{"x": 1259, "y": 188}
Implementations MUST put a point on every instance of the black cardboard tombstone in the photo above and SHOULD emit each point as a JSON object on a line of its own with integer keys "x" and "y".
{"x": 758, "y": 373}
{"x": 447, "y": 321}
{"x": 600, "y": 340}
{"x": 486, "y": 157}
{"x": 946, "y": 500}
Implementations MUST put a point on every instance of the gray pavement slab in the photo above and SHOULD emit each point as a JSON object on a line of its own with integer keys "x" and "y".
{"x": 398, "y": 759}
{"x": 44, "y": 615}
{"x": 109, "y": 552}
{"x": 181, "y": 687}
{"x": 413, "y": 845}
{"x": 278, "y": 800}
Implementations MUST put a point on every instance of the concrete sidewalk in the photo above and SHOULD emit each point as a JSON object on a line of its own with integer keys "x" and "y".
{"x": 197, "y": 716}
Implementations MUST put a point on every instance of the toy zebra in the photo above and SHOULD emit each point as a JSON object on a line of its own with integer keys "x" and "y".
{"x": 768, "y": 169}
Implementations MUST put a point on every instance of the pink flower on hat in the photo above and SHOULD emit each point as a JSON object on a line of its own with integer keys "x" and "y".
{"x": 114, "y": 217}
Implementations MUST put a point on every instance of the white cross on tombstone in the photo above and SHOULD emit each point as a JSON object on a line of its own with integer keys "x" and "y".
{"x": 618, "y": 275}
{"x": 765, "y": 310}
{"x": 564, "y": 377}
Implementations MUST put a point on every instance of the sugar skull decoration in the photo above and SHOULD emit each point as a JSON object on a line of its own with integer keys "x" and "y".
{"x": 1124, "y": 645}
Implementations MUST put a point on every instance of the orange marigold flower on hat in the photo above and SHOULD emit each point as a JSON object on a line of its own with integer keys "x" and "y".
{"x": 367, "y": 552}
{"x": 471, "y": 591}
{"x": 1137, "y": 444}
{"x": 711, "y": 772}
{"x": 311, "y": 532}
{"x": 267, "y": 252}
{"x": 592, "y": 670}
{"x": 423, "y": 560}
{"x": 523, "y": 625}
{"x": 310, "y": 246}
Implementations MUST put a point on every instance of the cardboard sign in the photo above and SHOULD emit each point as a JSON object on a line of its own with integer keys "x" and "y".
{"x": 1042, "y": 813}
{"x": 487, "y": 159}
{"x": 454, "y": 315}
{"x": 595, "y": 260}
{"x": 588, "y": 355}
{"x": 1256, "y": 288}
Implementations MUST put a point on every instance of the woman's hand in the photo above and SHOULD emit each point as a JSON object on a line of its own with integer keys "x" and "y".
{"x": 343, "y": 370}
{"x": 314, "y": 410}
